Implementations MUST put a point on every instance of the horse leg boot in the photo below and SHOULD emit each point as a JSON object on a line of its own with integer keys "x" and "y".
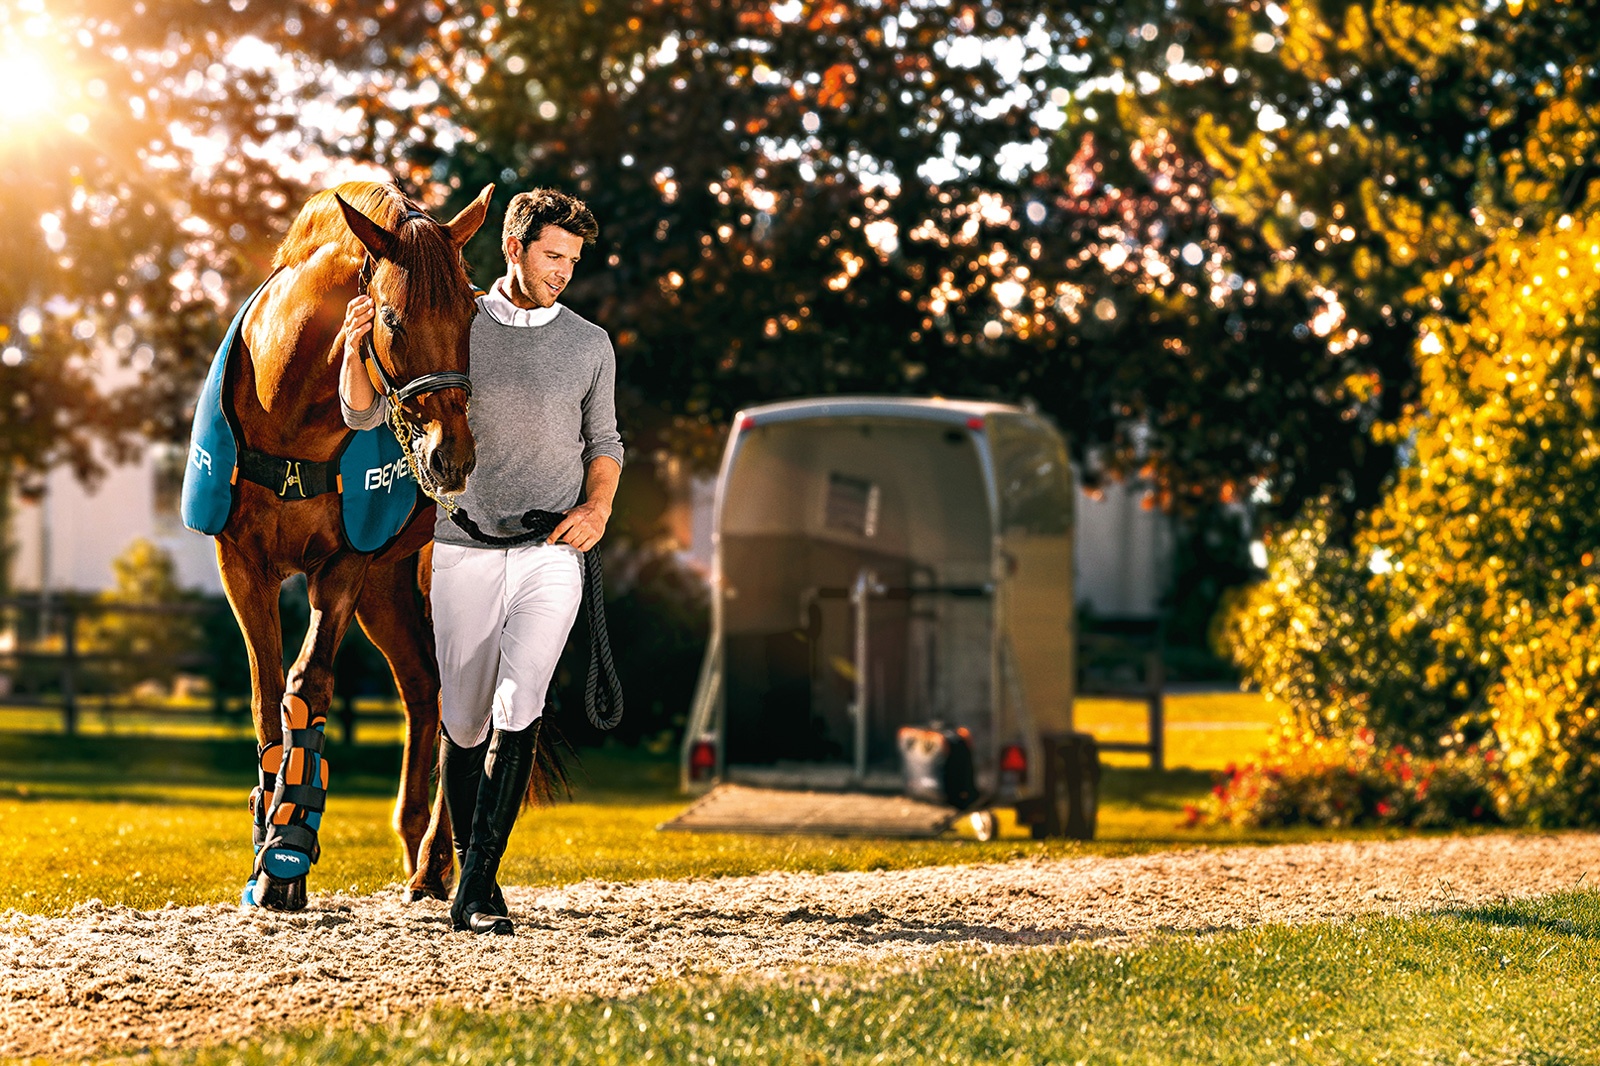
{"x": 506, "y": 771}
{"x": 269, "y": 758}
{"x": 460, "y": 776}
{"x": 294, "y": 815}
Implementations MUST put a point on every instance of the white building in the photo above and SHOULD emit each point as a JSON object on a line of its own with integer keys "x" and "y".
{"x": 66, "y": 540}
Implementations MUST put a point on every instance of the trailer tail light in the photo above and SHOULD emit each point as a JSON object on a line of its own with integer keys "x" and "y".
{"x": 702, "y": 760}
{"x": 1013, "y": 769}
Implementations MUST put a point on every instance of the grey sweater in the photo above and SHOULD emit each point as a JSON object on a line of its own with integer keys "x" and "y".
{"x": 543, "y": 406}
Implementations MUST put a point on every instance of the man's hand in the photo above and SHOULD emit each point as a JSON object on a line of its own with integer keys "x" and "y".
{"x": 357, "y": 324}
{"x": 354, "y": 384}
{"x": 583, "y": 527}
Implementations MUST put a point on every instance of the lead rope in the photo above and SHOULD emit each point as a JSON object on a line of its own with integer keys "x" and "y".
{"x": 602, "y": 705}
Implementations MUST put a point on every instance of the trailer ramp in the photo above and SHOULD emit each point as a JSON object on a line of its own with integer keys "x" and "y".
{"x": 730, "y": 808}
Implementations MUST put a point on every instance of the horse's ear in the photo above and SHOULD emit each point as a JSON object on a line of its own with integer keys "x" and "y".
{"x": 379, "y": 242}
{"x": 464, "y": 225}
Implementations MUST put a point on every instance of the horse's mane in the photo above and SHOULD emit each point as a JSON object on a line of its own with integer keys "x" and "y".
{"x": 435, "y": 275}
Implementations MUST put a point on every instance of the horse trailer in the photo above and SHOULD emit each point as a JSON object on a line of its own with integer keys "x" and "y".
{"x": 893, "y": 615}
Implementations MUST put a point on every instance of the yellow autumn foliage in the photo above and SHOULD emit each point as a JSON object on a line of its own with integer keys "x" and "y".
{"x": 1466, "y": 608}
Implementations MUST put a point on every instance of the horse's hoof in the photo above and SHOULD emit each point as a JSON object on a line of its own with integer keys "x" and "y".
{"x": 417, "y": 893}
{"x": 276, "y": 895}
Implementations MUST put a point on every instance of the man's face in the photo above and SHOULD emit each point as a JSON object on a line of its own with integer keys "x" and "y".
{"x": 542, "y": 267}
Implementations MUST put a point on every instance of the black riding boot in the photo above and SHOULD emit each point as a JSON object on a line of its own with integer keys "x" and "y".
{"x": 460, "y": 774}
{"x": 501, "y": 789}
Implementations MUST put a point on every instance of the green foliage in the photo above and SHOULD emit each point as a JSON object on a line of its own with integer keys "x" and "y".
{"x": 1325, "y": 158}
{"x": 1449, "y": 194}
{"x": 119, "y": 238}
{"x": 822, "y": 198}
{"x": 140, "y": 625}
{"x": 1314, "y": 634}
{"x": 838, "y": 197}
{"x": 1502, "y": 983}
{"x": 1490, "y": 531}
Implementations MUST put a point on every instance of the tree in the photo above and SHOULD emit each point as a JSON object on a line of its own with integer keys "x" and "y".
{"x": 146, "y": 643}
{"x": 1329, "y": 156}
{"x": 768, "y": 225}
{"x": 1465, "y": 606}
{"x": 130, "y": 203}
{"x": 802, "y": 197}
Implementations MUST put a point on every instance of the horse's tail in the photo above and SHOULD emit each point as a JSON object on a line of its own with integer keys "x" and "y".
{"x": 549, "y": 780}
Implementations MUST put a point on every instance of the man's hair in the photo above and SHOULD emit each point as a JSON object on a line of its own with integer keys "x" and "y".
{"x": 530, "y": 212}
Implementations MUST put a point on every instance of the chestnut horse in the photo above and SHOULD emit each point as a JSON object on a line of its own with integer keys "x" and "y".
{"x": 282, "y": 385}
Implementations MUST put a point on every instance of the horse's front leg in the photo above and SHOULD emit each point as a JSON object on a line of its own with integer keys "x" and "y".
{"x": 294, "y": 814}
{"x": 393, "y": 613}
{"x": 252, "y": 591}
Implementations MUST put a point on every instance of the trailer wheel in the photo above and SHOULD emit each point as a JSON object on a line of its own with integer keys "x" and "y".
{"x": 1071, "y": 787}
{"x": 984, "y": 825}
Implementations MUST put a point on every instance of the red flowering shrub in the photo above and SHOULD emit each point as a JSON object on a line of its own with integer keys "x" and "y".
{"x": 1308, "y": 780}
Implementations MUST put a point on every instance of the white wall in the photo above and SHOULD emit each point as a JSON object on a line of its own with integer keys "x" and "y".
{"x": 1124, "y": 551}
{"x": 67, "y": 540}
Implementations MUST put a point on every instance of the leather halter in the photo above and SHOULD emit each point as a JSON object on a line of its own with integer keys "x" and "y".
{"x": 399, "y": 394}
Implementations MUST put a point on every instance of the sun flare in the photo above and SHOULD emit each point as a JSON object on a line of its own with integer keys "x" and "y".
{"x": 27, "y": 88}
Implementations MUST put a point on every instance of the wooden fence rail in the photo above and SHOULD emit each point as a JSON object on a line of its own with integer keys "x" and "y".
{"x": 1123, "y": 658}
{"x": 44, "y": 661}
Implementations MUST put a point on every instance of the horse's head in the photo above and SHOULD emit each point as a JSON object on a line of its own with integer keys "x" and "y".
{"x": 420, "y": 333}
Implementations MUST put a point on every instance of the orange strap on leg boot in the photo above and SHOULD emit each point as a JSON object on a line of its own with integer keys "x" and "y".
{"x": 294, "y": 813}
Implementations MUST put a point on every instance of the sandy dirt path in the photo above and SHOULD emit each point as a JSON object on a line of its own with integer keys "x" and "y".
{"x": 113, "y": 979}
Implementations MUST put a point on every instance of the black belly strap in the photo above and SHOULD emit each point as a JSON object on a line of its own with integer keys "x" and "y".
{"x": 602, "y": 703}
{"x": 289, "y": 479}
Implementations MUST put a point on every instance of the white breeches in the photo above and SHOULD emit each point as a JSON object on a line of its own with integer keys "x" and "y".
{"x": 500, "y": 619}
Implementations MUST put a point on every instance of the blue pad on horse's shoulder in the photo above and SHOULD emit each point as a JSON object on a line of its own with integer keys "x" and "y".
{"x": 209, "y": 476}
{"x": 377, "y": 494}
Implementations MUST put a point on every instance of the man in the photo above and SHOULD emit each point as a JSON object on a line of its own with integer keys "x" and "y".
{"x": 544, "y": 418}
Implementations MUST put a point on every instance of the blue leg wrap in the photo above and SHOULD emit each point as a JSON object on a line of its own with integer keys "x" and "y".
{"x": 289, "y": 817}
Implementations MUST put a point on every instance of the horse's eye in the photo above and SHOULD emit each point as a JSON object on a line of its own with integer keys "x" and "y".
{"x": 391, "y": 319}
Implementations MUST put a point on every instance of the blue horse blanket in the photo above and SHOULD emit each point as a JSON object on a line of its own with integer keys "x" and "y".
{"x": 377, "y": 494}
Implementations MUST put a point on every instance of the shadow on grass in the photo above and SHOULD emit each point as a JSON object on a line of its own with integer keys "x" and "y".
{"x": 1575, "y": 913}
{"x": 129, "y": 768}
{"x": 214, "y": 772}
{"x": 1153, "y": 789}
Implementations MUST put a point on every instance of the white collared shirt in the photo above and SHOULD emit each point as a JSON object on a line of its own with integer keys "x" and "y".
{"x": 497, "y": 301}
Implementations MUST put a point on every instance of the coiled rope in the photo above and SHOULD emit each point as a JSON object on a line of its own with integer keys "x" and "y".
{"x": 602, "y": 704}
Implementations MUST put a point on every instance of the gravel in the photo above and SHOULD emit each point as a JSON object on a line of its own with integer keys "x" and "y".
{"x": 110, "y": 979}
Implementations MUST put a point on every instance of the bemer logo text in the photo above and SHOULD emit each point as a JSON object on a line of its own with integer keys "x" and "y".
{"x": 384, "y": 477}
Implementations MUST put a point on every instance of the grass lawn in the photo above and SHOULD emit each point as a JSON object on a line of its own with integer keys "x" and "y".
{"x": 1508, "y": 983}
{"x": 129, "y": 818}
